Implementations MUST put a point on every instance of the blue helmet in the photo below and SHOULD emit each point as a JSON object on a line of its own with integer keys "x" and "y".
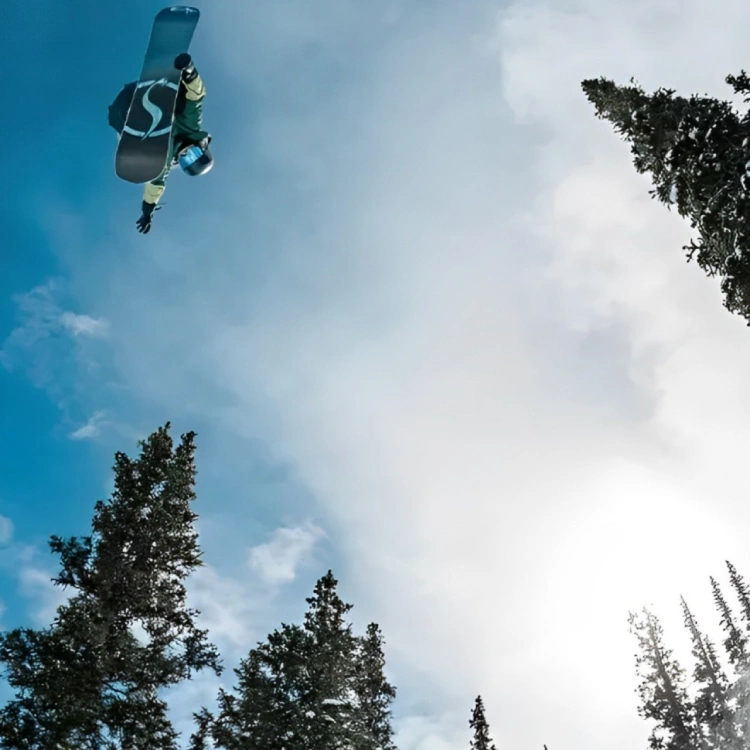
{"x": 196, "y": 158}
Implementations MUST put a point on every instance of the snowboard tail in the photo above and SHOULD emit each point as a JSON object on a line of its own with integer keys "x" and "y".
{"x": 143, "y": 150}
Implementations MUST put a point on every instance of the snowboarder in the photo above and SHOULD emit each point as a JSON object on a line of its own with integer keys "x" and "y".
{"x": 189, "y": 144}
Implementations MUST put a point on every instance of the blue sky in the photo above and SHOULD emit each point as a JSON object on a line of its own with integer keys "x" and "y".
{"x": 428, "y": 325}
{"x": 67, "y": 228}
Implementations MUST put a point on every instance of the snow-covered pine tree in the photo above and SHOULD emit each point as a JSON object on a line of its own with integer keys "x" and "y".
{"x": 696, "y": 153}
{"x": 86, "y": 681}
{"x": 713, "y": 713}
{"x": 664, "y": 698}
{"x": 478, "y": 722}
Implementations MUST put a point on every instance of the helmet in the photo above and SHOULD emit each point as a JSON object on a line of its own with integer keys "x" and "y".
{"x": 196, "y": 158}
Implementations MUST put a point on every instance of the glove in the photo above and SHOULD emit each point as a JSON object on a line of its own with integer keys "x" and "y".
{"x": 144, "y": 223}
{"x": 184, "y": 62}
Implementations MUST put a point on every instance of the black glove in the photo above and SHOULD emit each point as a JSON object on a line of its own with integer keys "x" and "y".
{"x": 184, "y": 62}
{"x": 144, "y": 223}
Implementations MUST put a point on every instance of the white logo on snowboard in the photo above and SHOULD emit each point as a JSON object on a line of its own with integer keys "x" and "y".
{"x": 157, "y": 127}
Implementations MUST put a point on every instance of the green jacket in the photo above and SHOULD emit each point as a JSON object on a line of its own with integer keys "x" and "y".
{"x": 186, "y": 127}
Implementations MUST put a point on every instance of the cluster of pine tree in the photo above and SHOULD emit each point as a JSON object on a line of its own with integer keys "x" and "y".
{"x": 315, "y": 685}
{"x": 696, "y": 151}
{"x": 93, "y": 679}
{"x": 713, "y": 711}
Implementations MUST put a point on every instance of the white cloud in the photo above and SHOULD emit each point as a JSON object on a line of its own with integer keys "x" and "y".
{"x": 447, "y": 732}
{"x": 58, "y": 363}
{"x": 38, "y": 314}
{"x": 476, "y": 340}
{"x": 90, "y": 430}
{"x": 277, "y": 560}
{"x": 41, "y": 315}
{"x": 45, "y": 597}
{"x": 229, "y": 608}
{"x": 84, "y": 325}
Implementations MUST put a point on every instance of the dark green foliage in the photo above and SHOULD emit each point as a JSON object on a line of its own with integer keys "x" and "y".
{"x": 735, "y": 642}
{"x": 374, "y": 693}
{"x": 314, "y": 686}
{"x": 87, "y": 681}
{"x": 717, "y": 713}
{"x": 735, "y": 645}
{"x": 740, "y": 690}
{"x": 478, "y": 722}
{"x": 695, "y": 151}
{"x": 742, "y": 592}
{"x": 712, "y": 711}
{"x": 662, "y": 692}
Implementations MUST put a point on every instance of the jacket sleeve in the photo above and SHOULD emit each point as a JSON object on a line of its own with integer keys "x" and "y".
{"x": 153, "y": 191}
{"x": 195, "y": 91}
{"x": 191, "y": 117}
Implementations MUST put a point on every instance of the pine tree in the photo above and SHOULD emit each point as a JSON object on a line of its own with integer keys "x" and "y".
{"x": 695, "y": 150}
{"x": 374, "y": 694}
{"x": 742, "y": 591}
{"x": 740, "y": 690}
{"x": 735, "y": 642}
{"x": 86, "y": 681}
{"x": 662, "y": 690}
{"x": 478, "y": 723}
{"x": 314, "y": 686}
{"x": 712, "y": 712}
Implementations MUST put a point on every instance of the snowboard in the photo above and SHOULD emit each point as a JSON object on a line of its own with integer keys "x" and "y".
{"x": 143, "y": 149}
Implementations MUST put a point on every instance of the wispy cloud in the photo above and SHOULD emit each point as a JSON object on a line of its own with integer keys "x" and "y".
{"x": 41, "y": 315}
{"x": 38, "y": 316}
{"x": 65, "y": 353}
{"x": 229, "y": 608}
{"x": 84, "y": 325}
{"x": 434, "y": 733}
{"x": 44, "y": 597}
{"x": 90, "y": 430}
{"x": 277, "y": 561}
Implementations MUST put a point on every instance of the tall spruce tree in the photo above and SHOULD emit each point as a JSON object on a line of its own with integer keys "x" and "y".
{"x": 735, "y": 642}
{"x": 478, "y": 722}
{"x": 374, "y": 694}
{"x": 740, "y": 691}
{"x": 664, "y": 698}
{"x": 696, "y": 152}
{"x": 712, "y": 710}
{"x": 742, "y": 592}
{"x": 87, "y": 681}
{"x": 314, "y": 686}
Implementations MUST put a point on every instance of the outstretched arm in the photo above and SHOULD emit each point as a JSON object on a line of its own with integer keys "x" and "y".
{"x": 152, "y": 192}
{"x": 195, "y": 91}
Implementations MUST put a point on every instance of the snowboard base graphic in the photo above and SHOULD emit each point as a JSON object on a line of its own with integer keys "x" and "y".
{"x": 143, "y": 150}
